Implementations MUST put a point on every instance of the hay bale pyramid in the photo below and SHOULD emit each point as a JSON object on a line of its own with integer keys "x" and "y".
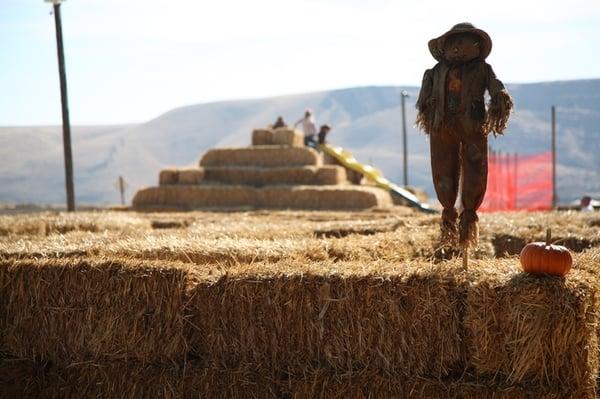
{"x": 277, "y": 172}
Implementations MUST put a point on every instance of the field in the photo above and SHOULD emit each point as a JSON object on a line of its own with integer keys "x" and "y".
{"x": 289, "y": 304}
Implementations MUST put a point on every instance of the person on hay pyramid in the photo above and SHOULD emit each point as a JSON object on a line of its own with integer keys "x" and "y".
{"x": 309, "y": 127}
{"x": 452, "y": 111}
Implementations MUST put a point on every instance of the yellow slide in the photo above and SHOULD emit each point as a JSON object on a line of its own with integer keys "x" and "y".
{"x": 346, "y": 159}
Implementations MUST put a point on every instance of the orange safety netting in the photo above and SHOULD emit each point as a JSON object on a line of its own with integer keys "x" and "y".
{"x": 518, "y": 182}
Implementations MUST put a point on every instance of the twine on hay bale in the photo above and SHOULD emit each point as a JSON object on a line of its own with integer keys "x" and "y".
{"x": 402, "y": 318}
{"x": 73, "y": 310}
{"x": 261, "y": 156}
{"x": 535, "y": 331}
{"x": 51, "y": 223}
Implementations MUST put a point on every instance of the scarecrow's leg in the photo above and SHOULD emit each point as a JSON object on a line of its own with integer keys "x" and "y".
{"x": 445, "y": 168}
{"x": 474, "y": 166}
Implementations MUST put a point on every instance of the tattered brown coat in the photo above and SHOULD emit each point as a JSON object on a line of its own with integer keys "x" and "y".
{"x": 478, "y": 77}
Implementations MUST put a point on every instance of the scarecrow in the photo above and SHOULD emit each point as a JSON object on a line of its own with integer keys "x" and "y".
{"x": 452, "y": 111}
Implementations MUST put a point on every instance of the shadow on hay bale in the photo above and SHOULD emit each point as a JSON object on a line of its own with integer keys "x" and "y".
{"x": 24, "y": 379}
{"x": 508, "y": 245}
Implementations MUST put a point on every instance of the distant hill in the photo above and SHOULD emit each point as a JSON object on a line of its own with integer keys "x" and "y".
{"x": 366, "y": 120}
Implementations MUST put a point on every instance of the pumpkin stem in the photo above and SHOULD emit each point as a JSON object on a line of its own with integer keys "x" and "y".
{"x": 548, "y": 236}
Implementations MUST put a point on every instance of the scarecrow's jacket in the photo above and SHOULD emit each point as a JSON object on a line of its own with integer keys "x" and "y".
{"x": 477, "y": 76}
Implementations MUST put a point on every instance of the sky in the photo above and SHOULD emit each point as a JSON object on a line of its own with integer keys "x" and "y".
{"x": 130, "y": 61}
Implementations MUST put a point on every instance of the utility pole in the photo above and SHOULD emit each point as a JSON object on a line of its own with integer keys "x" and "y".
{"x": 403, "y": 95}
{"x": 65, "y": 107}
{"x": 554, "y": 196}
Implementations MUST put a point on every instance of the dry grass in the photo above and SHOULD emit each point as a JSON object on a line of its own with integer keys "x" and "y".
{"x": 395, "y": 234}
{"x": 47, "y": 223}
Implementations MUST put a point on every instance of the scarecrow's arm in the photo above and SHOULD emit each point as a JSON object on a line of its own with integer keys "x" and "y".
{"x": 423, "y": 100}
{"x": 426, "y": 88}
{"x": 500, "y": 106}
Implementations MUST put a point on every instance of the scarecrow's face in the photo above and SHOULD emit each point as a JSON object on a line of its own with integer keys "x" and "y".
{"x": 462, "y": 47}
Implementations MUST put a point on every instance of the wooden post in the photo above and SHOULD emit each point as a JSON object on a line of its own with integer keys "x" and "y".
{"x": 403, "y": 95}
{"x": 554, "y": 196}
{"x": 121, "y": 183}
{"x": 70, "y": 187}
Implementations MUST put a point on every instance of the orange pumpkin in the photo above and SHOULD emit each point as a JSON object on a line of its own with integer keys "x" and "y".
{"x": 543, "y": 257}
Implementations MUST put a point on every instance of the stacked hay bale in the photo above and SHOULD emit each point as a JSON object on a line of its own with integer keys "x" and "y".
{"x": 277, "y": 171}
{"x": 120, "y": 328}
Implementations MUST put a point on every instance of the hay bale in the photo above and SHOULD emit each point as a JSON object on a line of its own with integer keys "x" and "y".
{"x": 190, "y": 176}
{"x": 191, "y": 197}
{"x": 75, "y": 310}
{"x": 404, "y": 319}
{"x": 288, "y": 137}
{"x": 331, "y": 175}
{"x": 299, "y": 175}
{"x": 279, "y": 197}
{"x": 262, "y": 176}
{"x": 261, "y": 156}
{"x": 367, "y": 384}
{"x": 322, "y": 197}
{"x": 329, "y": 160}
{"x": 262, "y": 137}
{"x": 538, "y": 331}
{"x": 168, "y": 176}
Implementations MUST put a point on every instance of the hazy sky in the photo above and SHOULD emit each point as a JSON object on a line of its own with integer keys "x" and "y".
{"x": 131, "y": 60}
